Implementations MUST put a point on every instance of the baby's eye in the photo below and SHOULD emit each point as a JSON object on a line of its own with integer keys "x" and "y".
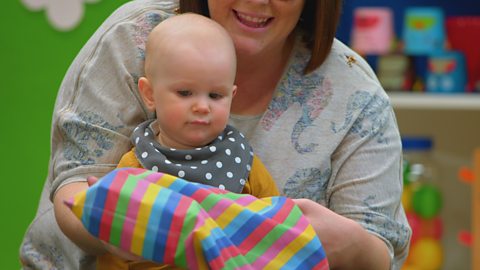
{"x": 184, "y": 93}
{"x": 215, "y": 96}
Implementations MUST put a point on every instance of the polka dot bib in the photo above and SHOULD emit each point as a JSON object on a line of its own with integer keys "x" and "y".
{"x": 224, "y": 163}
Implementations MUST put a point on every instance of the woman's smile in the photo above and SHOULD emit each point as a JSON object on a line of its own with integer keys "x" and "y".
{"x": 252, "y": 21}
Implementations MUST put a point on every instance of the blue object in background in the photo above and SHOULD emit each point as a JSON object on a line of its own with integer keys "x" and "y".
{"x": 449, "y": 7}
{"x": 424, "y": 30}
{"x": 446, "y": 73}
{"x": 417, "y": 143}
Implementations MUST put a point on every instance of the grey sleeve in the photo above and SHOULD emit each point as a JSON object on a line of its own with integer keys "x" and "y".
{"x": 367, "y": 169}
{"x": 98, "y": 103}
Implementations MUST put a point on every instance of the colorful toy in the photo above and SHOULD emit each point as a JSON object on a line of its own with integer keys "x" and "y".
{"x": 395, "y": 72}
{"x": 427, "y": 201}
{"x": 169, "y": 220}
{"x": 410, "y": 267}
{"x": 463, "y": 35}
{"x": 372, "y": 31}
{"x": 407, "y": 198}
{"x": 426, "y": 254}
{"x": 424, "y": 31}
{"x": 431, "y": 228}
{"x": 422, "y": 201}
{"x": 415, "y": 223}
{"x": 446, "y": 73}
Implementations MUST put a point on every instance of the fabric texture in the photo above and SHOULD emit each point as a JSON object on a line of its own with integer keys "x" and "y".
{"x": 170, "y": 220}
{"x": 330, "y": 136}
{"x": 260, "y": 184}
{"x": 225, "y": 163}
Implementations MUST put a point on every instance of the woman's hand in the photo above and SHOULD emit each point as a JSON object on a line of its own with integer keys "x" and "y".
{"x": 70, "y": 225}
{"x": 347, "y": 244}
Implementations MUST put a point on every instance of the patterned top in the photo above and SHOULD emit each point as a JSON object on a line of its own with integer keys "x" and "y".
{"x": 225, "y": 163}
{"x": 330, "y": 136}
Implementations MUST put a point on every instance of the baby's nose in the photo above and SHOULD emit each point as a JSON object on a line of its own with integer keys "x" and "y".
{"x": 201, "y": 106}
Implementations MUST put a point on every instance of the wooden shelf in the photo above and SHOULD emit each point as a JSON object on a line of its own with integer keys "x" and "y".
{"x": 476, "y": 211}
{"x": 431, "y": 101}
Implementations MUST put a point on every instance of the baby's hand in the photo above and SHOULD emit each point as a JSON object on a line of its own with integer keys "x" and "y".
{"x": 91, "y": 180}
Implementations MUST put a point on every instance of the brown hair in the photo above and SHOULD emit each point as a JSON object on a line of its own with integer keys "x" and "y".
{"x": 319, "y": 20}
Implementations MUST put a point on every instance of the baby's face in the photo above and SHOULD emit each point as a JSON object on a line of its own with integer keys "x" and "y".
{"x": 193, "y": 92}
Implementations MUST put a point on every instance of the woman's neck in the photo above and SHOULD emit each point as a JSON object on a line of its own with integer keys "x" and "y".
{"x": 257, "y": 79}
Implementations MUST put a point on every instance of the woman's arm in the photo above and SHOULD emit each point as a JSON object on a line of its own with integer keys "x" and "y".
{"x": 367, "y": 182}
{"x": 97, "y": 107}
{"x": 347, "y": 244}
{"x": 70, "y": 225}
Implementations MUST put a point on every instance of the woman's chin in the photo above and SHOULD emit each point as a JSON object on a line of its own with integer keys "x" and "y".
{"x": 248, "y": 46}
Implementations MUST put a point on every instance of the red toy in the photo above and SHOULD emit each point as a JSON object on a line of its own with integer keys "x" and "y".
{"x": 462, "y": 35}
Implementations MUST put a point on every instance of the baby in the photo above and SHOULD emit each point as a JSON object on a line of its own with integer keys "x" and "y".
{"x": 190, "y": 68}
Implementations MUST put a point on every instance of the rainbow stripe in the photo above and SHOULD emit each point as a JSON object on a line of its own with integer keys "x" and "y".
{"x": 169, "y": 220}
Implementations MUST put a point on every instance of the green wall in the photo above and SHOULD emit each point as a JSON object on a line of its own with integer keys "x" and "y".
{"x": 33, "y": 59}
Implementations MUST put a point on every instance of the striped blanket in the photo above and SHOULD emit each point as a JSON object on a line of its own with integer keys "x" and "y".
{"x": 169, "y": 220}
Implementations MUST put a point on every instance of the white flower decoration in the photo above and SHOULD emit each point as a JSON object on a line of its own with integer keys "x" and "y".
{"x": 63, "y": 15}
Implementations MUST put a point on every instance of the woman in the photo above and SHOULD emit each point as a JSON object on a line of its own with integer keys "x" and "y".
{"x": 313, "y": 110}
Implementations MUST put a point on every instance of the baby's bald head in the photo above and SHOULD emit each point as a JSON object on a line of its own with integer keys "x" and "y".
{"x": 185, "y": 34}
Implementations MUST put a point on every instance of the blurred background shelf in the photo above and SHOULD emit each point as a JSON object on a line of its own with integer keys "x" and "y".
{"x": 429, "y": 101}
{"x": 449, "y": 120}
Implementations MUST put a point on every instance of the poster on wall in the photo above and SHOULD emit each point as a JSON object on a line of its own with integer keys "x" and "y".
{"x": 63, "y": 15}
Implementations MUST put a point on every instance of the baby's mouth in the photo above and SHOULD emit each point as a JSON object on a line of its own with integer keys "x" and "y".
{"x": 251, "y": 21}
{"x": 199, "y": 122}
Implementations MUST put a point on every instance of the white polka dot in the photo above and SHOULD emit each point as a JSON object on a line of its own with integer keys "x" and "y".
{"x": 204, "y": 162}
{"x": 178, "y": 165}
{"x": 251, "y": 153}
{"x": 181, "y": 174}
{"x": 242, "y": 182}
{"x": 213, "y": 148}
{"x": 156, "y": 150}
{"x": 136, "y": 128}
{"x": 238, "y": 160}
{"x": 230, "y": 132}
{"x": 155, "y": 168}
{"x": 194, "y": 167}
{"x": 221, "y": 187}
{"x": 188, "y": 157}
{"x": 220, "y": 138}
{"x": 219, "y": 164}
{"x": 243, "y": 146}
{"x": 168, "y": 161}
{"x": 208, "y": 176}
{"x": 249, "y": 168}
{"x": 229, "y": 174}
{"x": 198, "y": 148}
{"x": 231, "y": 139}
{"x": 145, "y": 134}
{"x": 144, "y": 155}
{"x": 137, "y": 140}
{"x": 241, "y": 135}
{"x": 151, "y": 143}
{"x": 173, "y": 149}
{"x": 228, "y": 152}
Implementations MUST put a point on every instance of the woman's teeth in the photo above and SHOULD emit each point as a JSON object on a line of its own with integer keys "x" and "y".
{"x": 252, "y": 21}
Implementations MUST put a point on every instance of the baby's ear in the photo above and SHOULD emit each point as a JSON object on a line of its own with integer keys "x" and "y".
{"x": 234, "y": 90}
{"x": 146, "y": 91}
